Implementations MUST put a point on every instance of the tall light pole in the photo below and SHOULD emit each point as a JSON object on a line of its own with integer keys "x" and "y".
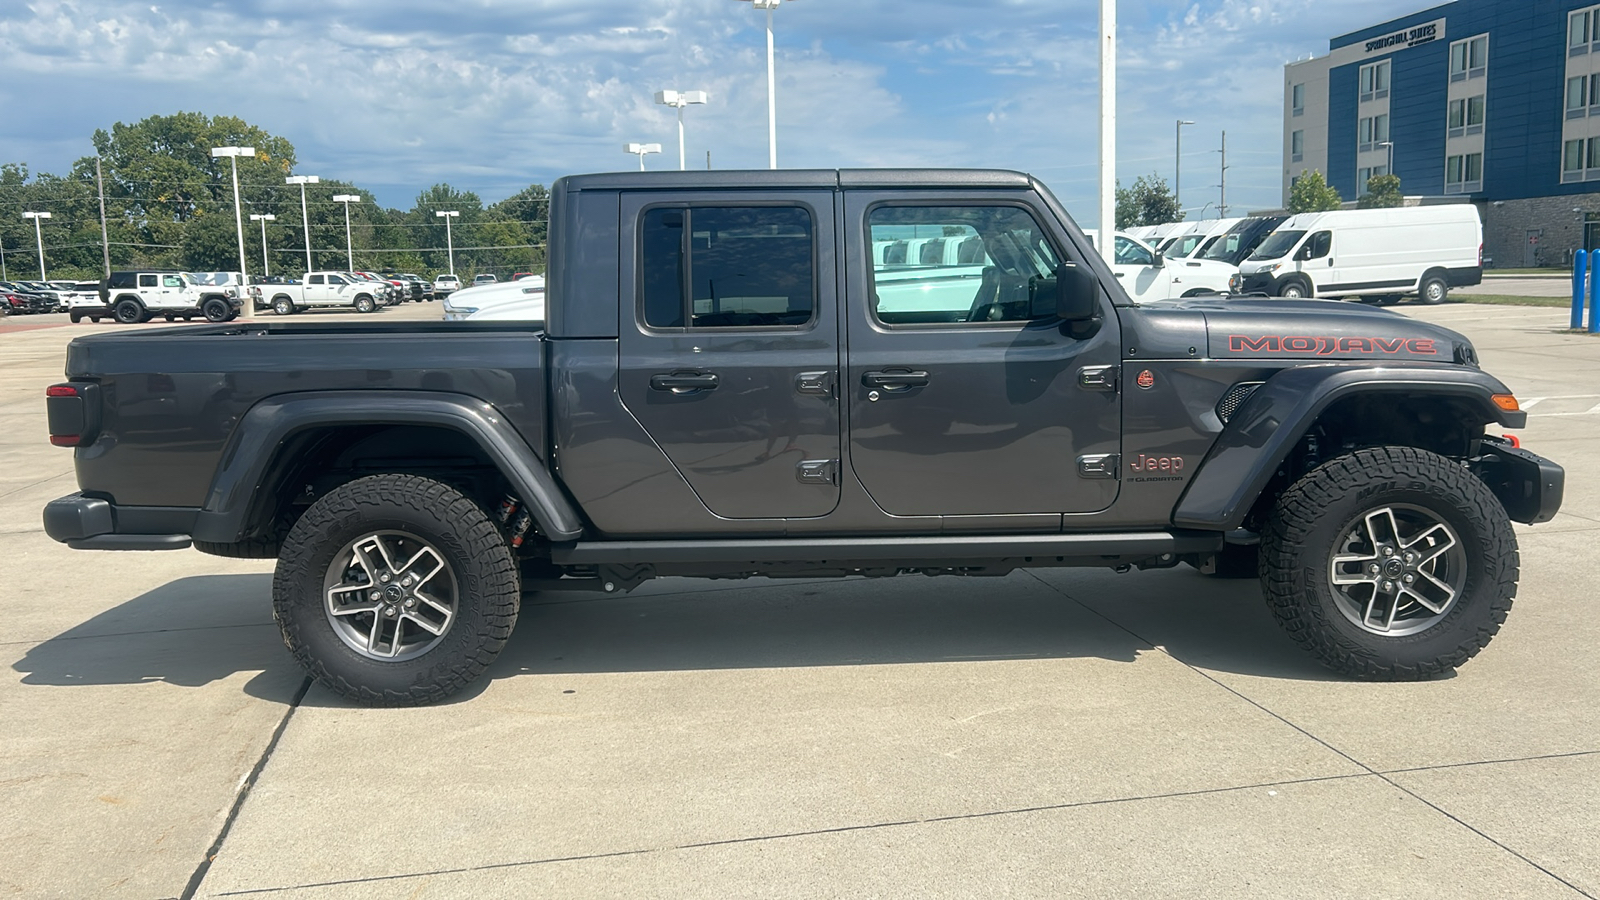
{"x": 233, "y": 153}
{"x": 264, "y": 218}
{"x": 1389, "y": 146}
{"x": 347, "y": 199}
{"x": 36, "y": 216}
{"x": 680, "y": 99}
{"x": 1108, "y": 127}
{"x": 772, "y": 89}
{"x": 1177, "y": 165}
{"x": 640, "y": 150}
{"x": 1222, "y": 199}
{"x": 449, "y": 242}
{"x": 305, "y": 220}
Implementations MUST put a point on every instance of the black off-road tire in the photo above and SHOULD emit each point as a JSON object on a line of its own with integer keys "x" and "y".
{"x": 217, "y": 310}
{"x": 1311, "y": 517}
{"x": 487, "y": 601}
{"x": 129, "y": 312}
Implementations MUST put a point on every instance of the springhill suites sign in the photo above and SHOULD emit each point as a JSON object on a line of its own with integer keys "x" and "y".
{"x": 1422, "y": 34}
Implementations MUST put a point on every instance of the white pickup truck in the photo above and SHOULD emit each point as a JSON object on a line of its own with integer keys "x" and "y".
{"x": 324, "y": 289}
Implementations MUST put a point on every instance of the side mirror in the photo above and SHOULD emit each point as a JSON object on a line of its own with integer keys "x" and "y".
{"x": 1160, "y": 261}
{"x": 1076, "y": 294}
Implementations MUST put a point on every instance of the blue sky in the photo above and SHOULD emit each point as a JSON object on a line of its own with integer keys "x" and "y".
{"x": 490, "y": 96}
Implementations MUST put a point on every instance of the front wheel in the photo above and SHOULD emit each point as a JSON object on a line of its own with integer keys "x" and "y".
{"x": 1390, "y": 564}
{"x": 395, "y": 590}
{"x": 1294, "y": 289}
{"x": 365, "y": 304}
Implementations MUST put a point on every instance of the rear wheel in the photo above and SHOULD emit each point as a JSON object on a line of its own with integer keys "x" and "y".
{"x": 129, "y": 312}
{"x": 1435, "y": 289}
{"x": 395, "y": 590}
{"x": 1390, "y": 564}
{"x": 74, "y": 317}
{"x": 282, "y": 306}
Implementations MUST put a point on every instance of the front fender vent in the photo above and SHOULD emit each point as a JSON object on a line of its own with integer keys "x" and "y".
{"x": 1465, "y": 355}
{"x": 1235, "y": 398}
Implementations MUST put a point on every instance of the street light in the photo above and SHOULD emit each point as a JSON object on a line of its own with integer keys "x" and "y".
{"x": 1388, "y": 145}
{"x": 641, "y": 150}
{"x": 36, "y": 216}
{"x": 348, "y": 199}
{"x": 680, "y": 99}
{"x": 449, "y": 242}
{"x": 233, "y": 154}
{"x": 305, "y": 220}
{"x": 772, "y": 90}
{"x": 1177, "y": 165}
{"x": 264, "y": 218}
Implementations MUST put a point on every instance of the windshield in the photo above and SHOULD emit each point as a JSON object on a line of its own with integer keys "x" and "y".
{"x": 1185, "y": 245}
{"x": 1227, "y": 245}
{"x": 1278, "y": 245}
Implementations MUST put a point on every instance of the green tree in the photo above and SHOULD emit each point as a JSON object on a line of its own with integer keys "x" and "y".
{"x": 1311, "y": 193}
{"x": 1383, "y": 192}
{"x": 1148, "y": 202}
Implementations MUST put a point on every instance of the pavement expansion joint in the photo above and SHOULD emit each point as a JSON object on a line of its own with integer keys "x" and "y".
{"x": 1353, "y": 761}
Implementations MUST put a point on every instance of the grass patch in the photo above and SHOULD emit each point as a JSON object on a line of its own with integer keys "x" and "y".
{"x": 1506, "y": 300}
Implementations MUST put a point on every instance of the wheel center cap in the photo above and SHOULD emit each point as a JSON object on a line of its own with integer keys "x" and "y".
{"x": 1393, "y": 568}
{"x": 392, "y": 593}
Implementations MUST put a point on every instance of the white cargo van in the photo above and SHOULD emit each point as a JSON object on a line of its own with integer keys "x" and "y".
{"x": 1377, "y": 255}
{"x": 1147, "y": 275}
{"x": 1193, "y": 242}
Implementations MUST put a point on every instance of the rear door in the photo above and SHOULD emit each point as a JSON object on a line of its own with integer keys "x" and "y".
{"x": 965, "y": 398}
{"x": 729, "y": 344}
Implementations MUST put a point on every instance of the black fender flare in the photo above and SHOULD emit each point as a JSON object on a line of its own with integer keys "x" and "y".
{"x": 1267, "y": 427}
{"x": 267, "y": 424}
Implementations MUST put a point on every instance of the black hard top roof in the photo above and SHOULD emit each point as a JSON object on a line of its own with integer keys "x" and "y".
{"x": 796, "y": 178}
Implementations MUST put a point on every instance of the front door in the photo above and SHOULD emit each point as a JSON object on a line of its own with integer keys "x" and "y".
{"x": 730, "y": 350}
{"x": 1135, "y": 267}
{"x": 1317, "y": 262}
{"x": 965, "y": 397}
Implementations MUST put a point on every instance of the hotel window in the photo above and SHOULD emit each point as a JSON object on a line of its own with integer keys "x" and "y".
{"x": 1375, "y": 81}
{"x": 1363, "y": 175}
{"x": 1464, "y": 173}
{"x": 1572, "y": 161}
{"x": 1374, "y": 130}
{"x": 1469, "y": 58}
{"x": 1593, "y": 161}
{"x": 1297, "y": 101}
{"x": 1578, "y": 33}
{"x": 1475, "y": 115}
{"x": 1297, "y": 146}
{"x": 1577, "y": 96}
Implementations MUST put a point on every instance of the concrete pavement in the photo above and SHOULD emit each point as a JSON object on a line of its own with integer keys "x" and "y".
{"x": 1057, "y": 733}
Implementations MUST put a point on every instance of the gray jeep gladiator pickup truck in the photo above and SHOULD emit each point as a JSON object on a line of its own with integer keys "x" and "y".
{"x": 810, "y": 373}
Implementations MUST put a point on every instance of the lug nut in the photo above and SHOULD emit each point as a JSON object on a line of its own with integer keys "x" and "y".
{"x": 384, "y": 577}
{"x": 1409, "y": 578}
{"x": 1387, "y": 551}
{"x": 388, "y": 611}
{"x": 412, "y": 603}
{"x": 406, "y": 581}
{"x": 1371, "y": 570}
{"x": 375, "y": 595}
{"x": 1388, "y": 586}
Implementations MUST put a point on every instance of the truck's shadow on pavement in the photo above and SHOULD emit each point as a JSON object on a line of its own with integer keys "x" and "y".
{"x": 198, "y": 630}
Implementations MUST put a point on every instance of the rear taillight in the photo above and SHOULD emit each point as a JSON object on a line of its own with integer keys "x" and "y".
{"x": 74, "y": 413}
{"x": 1480, "y": 256}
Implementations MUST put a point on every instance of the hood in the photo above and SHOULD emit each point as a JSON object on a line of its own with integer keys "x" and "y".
{"x": 1253, "y": 328}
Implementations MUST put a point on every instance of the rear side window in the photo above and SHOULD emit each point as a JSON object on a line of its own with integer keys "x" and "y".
{"x": 147, "y": 281}
{"x": 315, "y": 279}
{"x": 727, "y": 267}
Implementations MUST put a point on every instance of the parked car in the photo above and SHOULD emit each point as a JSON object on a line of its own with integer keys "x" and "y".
{"x": 322, "y": 290}
{"x": 83, "y": 302}
{"x": 1377, "y": 255}
{"x": 465, "y": 303}
{"x": 737, "y": 406}
{"x": 485, "y": 278}
{"x": 1193, "y": 241}
{"x": 388, "y": 292}
{"x": 1148, "y": 275}
{"x": 136, "y": 296}
{"x": 24, "y": 298}
{"x": 443, "y": 285}
{"x": 521, "y": 275}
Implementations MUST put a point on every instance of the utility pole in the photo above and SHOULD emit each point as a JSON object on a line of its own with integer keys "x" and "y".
{"x": 1108, "y": 128}
{"x": 105, "y": 238}
{"x": 1222, "y": 204}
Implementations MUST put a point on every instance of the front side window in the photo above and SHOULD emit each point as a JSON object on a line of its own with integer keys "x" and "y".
{"x": 336, "y": 279}
{"x": 1318, "y": 245}
{"x": 988, "y": 265}
{"x": 727, "y": 267}
{"x": 171, "y": 281}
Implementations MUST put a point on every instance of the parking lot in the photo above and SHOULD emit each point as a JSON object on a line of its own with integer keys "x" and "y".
{"x": 1060, "y": 733}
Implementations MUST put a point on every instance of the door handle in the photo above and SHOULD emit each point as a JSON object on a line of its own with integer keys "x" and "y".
{"x": 895, "y": 380}
{"x": 683, "y": 382}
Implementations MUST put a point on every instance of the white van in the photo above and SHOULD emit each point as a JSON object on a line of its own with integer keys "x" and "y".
{"x": 1378, "y": 255}
{"x": 1147, "y": 275}
{"x": 1192, "y": 242}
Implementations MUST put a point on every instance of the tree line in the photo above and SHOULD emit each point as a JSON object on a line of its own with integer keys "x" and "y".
{"x": 169, "y": 205}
